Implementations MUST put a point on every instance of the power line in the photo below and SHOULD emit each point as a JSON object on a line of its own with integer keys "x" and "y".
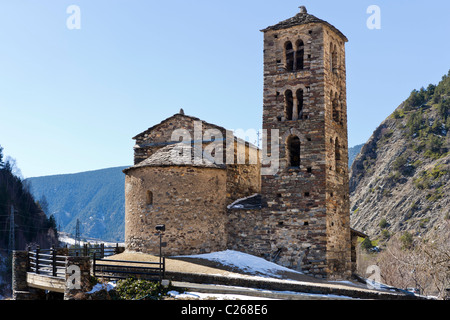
{"x": 77, "y": 234}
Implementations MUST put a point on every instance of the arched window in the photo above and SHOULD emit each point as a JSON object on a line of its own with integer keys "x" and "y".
{"x": 289, "y": 104}
{"x": 335, "y": 105}
{"x": 149, "y": 198}
{"x": 299, "y": 95}
{"x": 337, "y": 151}
{"x": 299, "y": 54}
{"x": 333, "y": 58}
{"x": 289, "y": 52}
{"x": 293, "y": 151}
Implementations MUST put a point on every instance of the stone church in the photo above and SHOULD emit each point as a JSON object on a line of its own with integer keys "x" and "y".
{"x": 205, "y": 185}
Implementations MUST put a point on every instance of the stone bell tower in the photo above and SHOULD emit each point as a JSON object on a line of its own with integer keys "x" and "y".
{"x": 305, "y": 100}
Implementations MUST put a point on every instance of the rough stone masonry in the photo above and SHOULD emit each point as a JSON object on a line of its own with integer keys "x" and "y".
{"x": 298, "y": 217}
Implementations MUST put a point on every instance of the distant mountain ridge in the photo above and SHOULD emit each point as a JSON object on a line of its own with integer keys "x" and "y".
{"x": 353, "y": 152}
{"x": 96, "y": 198}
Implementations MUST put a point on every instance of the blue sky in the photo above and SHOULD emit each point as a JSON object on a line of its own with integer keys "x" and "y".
{"x": 71, "y": 100}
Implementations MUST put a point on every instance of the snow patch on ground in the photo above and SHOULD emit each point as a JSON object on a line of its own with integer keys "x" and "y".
{"x": 103, "y": 286}
{"x": 244, "y": 262}
{"x": 216, "y": 296}
{"x": 67, "y": 239}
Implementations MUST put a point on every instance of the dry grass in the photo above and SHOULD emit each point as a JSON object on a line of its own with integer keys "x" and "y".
{"x": 175, "y": 265}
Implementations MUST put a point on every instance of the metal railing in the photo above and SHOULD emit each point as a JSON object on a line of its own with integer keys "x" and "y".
{"x": 100, "y": 250}
{"x": 122, "y": 269}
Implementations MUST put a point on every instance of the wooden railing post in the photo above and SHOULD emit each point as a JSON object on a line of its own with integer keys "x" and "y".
{"x": 93, "y": 263}
{"x": 37, "y": 259}
{"x": 102, "y": 250}
{"x": 54, "y": 261}
{"x": 28, "y": 258}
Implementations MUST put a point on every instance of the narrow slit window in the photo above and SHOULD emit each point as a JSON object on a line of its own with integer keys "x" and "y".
{"x": 149, "y": 198}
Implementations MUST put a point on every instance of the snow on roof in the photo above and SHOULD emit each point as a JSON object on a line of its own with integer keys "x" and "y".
{"x": 250, "y": 202}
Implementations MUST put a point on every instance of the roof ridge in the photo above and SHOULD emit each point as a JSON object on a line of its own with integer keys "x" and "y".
{"x": 302, "y": 18}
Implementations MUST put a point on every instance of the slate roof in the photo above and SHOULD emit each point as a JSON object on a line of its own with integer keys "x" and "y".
{"x": 302, "y": 18}
{"x": 251, "y": 202}
{"x": 177, "y": 154}
{"x": 180, "y": 114}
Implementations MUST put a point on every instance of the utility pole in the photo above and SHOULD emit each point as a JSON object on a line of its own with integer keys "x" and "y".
{"x": 77, "y": 235}
{"x": 12, "y": 234}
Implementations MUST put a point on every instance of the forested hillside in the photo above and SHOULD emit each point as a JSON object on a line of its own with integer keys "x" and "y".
{"x": 95, "y": 198}
{"x": 22, "y": 221}
{"x": 31, "y": 225}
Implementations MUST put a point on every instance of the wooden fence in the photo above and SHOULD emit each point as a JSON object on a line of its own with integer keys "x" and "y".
{"x": 99, "y": 250}
{"x": 47, "y": 262}
{"x": 122, "y": 269}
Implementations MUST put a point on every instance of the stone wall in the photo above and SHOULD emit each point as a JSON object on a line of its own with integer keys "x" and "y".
{"x": 243, "y": 177}
{"x": 307, "y": 203}
{"x": 304, "y": 223}
{"x": 158, "y": 136}
{"x": 190, "y": 201}
{"x": 250, "y": 231}
{"x": 337, "y": 184}
{"x": 295, "y": 196}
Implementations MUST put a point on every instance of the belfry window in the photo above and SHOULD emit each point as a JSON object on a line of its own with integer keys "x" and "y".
{"x": 294, "y": 56}
{"x": 333, "y": 58}
{"x": 299, "y": 96}
{"x": 289, "y": 51}
{"x": 335, "y": 106}
{"x": 293, "y": 105}
{"x": 299, "y": 53}
{"x": 289, "y": 104}
{"x": 293, "y": 151}
{"x": 337, "y": 153}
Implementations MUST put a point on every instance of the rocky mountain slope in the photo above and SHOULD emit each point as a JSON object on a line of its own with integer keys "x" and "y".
{"x": 399, "y": 180}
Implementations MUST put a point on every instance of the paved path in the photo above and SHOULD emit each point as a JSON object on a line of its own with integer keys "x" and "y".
{"x": 208, "y": 276}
